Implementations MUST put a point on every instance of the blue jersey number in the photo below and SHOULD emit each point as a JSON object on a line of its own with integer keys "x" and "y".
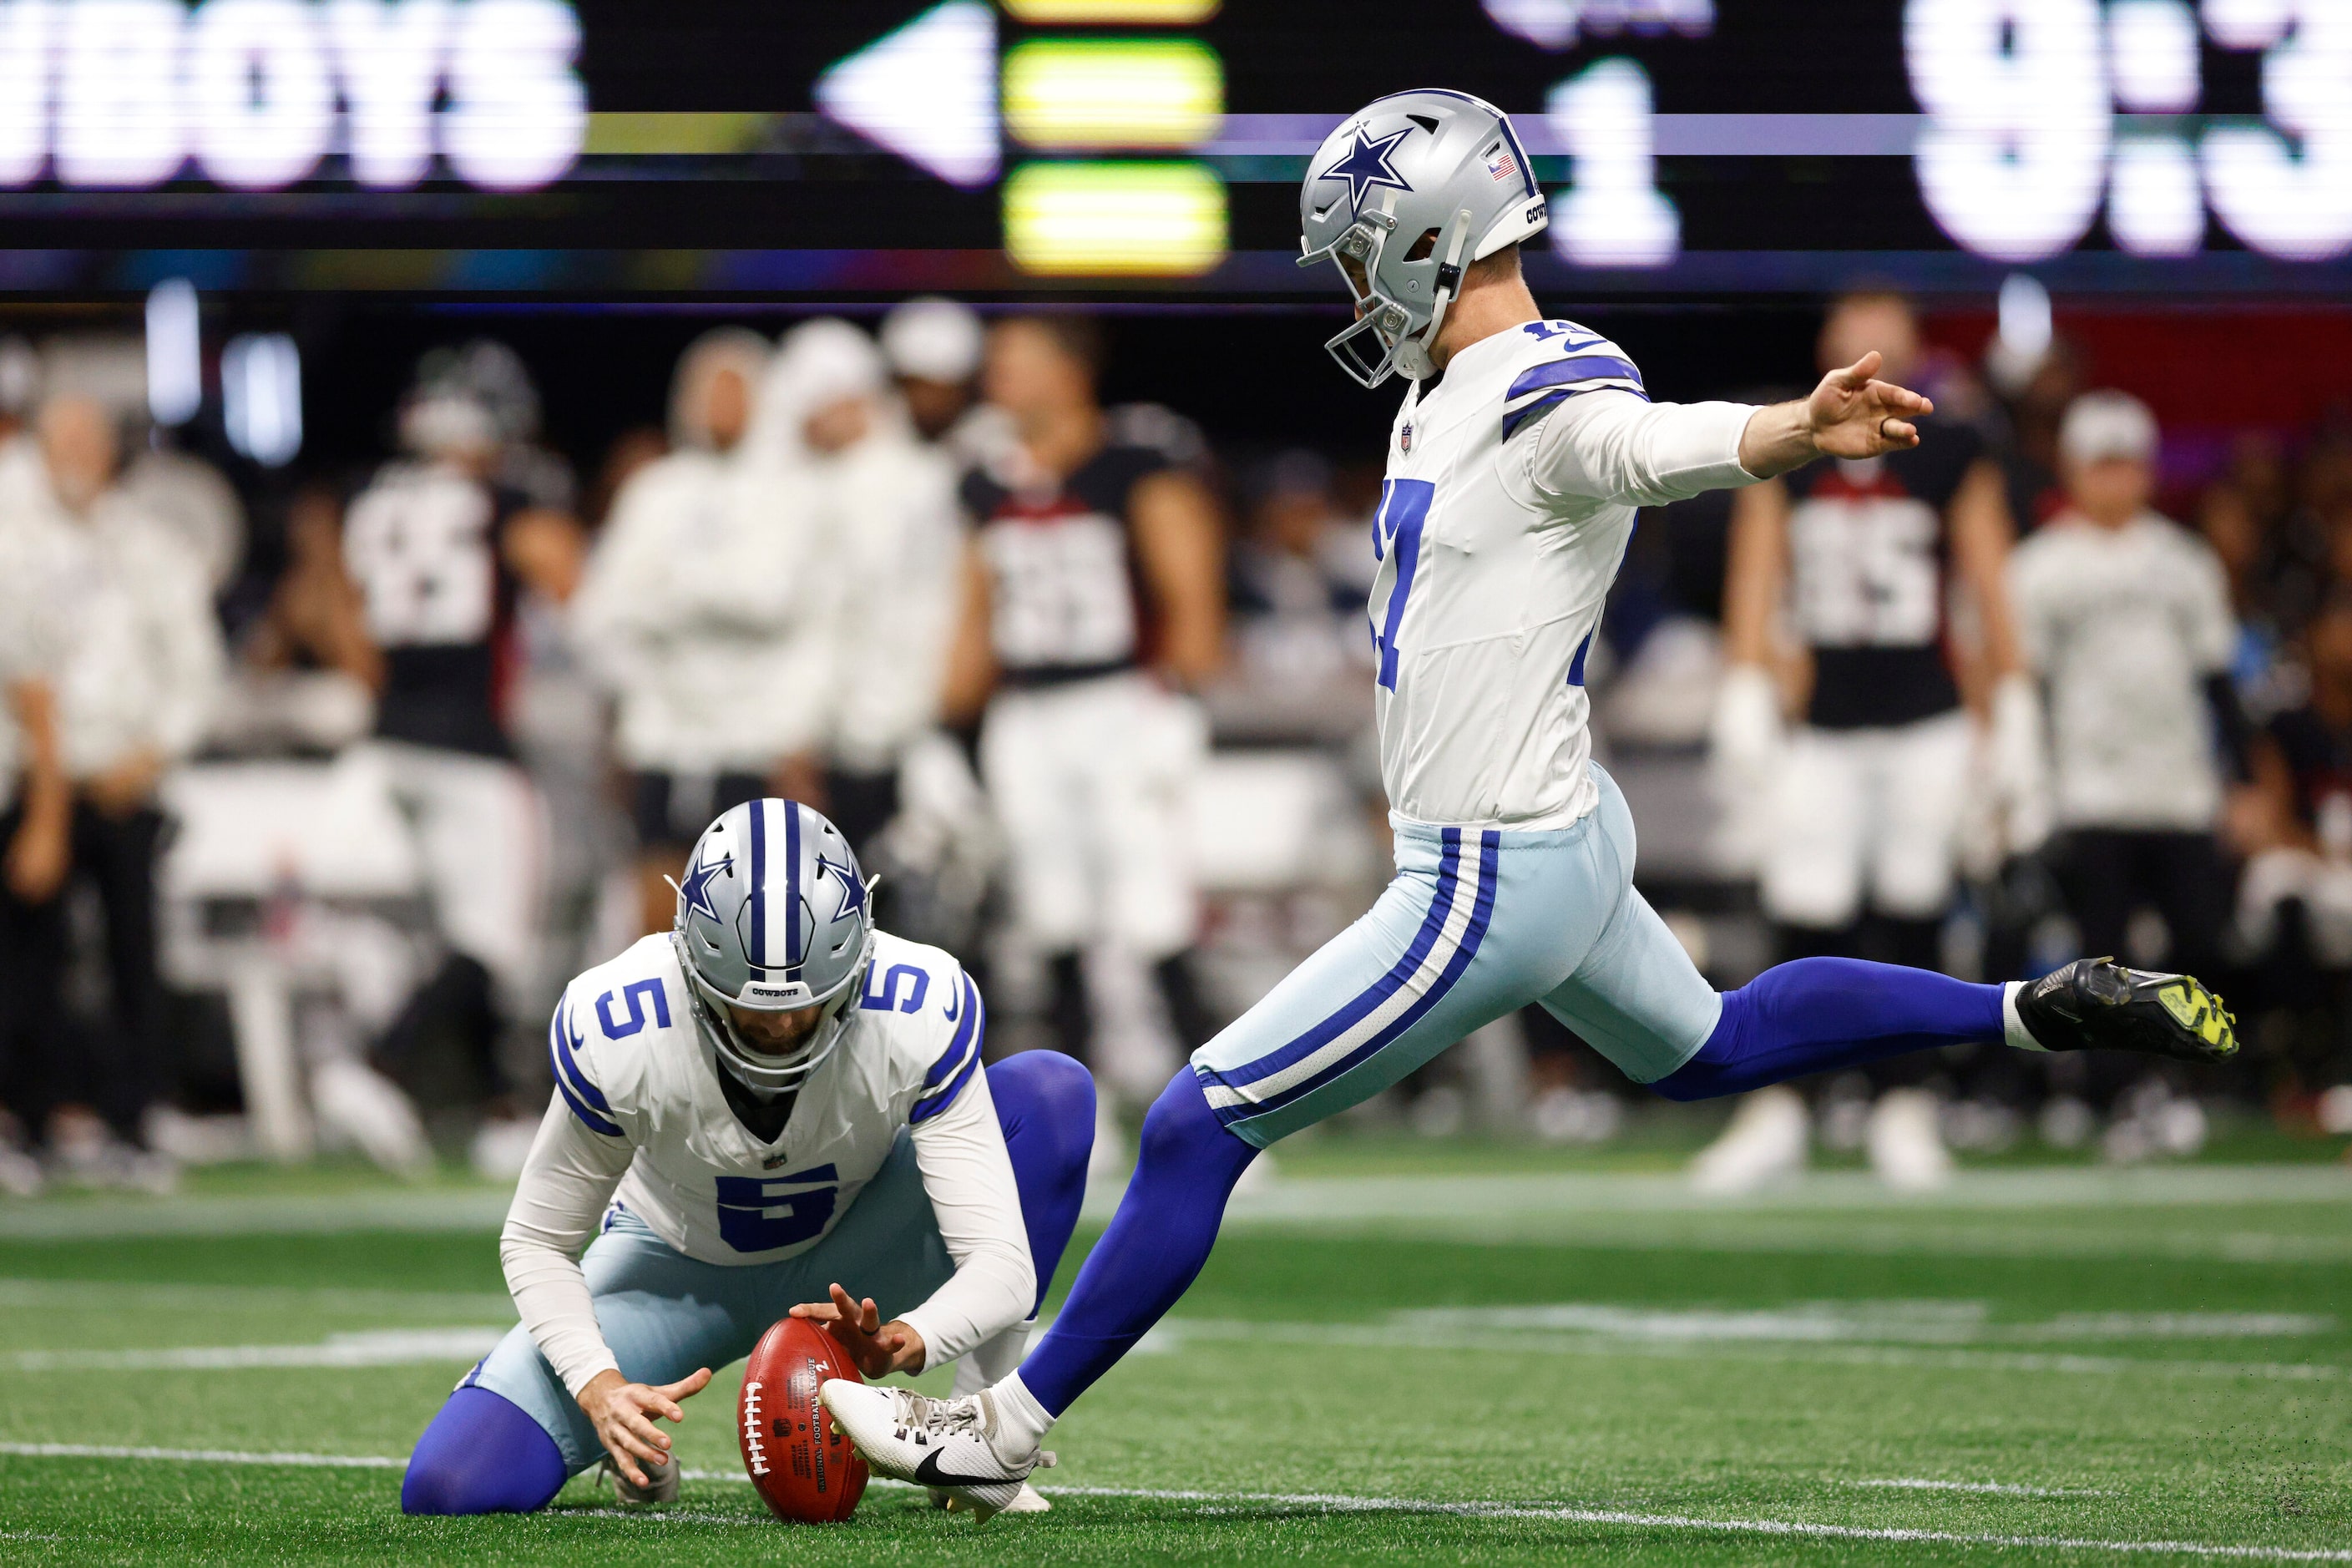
{"x": 634, "y": 996}
{"x": 1396, "y": 530}
{"x": 761, "y": 1213}
{"x": 883, "y": 990}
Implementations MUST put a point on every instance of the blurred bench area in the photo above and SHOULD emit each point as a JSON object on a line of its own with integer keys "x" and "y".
{"x": 356, "y": 702}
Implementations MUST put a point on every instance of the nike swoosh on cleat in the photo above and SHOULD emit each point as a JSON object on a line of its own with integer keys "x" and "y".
{"x": 930, "y": 1473}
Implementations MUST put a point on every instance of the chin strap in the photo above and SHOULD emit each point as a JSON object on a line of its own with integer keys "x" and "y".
{"x": 1449, "y": 282}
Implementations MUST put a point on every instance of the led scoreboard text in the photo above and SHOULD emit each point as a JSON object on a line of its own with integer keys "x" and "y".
{"x": 1101, "y": 134}
{"x": 2034, "y": 113}
{"x": 128, "y": 93}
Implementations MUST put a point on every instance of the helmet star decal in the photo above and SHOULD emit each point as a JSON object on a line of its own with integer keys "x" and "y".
{"x": 852, "y": 891}
{"x": 1366, "y": 167}
{"x": 696, "y": 893}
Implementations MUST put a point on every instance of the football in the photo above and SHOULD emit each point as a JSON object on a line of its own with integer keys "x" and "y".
{"x": 805, "y": 1470}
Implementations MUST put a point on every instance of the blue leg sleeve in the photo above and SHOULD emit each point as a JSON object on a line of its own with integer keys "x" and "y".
{"x": 1819, "y": 1014}
{"x": 482, "y": 1455}
{"x": 1045, "y": 1103}
{"x": 1155, "y": 1246}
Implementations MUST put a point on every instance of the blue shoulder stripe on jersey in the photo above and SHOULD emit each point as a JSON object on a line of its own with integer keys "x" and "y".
{"x": 940, "y": 1099}
{"x": 593, "y": 1122}
{"x": 1514, "y": 418}
{"x": 560, "y": 1042}
{"x": 568, "y": 1074}
{"x": 1536, "y": 410}
{"x": 968, "y": 995}
{"x": 924, "y": 1110}
{"x": 1576, "y": 367}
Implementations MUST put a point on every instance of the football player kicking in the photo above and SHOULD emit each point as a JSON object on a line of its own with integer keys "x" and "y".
{"x": 1510, "y": 495}
{"x": 768, "y": 1101}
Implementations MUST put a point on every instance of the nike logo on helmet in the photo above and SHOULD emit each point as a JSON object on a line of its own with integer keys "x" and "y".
{"x": 930, "y": 1473}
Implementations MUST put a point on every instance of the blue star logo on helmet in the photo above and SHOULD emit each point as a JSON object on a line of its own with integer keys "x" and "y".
{"x": 1366, "y": 168}
{"x": 852, "y": 891}
{"x": 697, "y": 890}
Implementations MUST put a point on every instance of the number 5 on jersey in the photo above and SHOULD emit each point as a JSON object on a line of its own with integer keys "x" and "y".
{"x": 1396, "y": 542}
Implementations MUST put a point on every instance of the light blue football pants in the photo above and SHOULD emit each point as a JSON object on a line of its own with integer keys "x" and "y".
{"x": 665, "y": 1314}
{"x": 1477, "y": 923}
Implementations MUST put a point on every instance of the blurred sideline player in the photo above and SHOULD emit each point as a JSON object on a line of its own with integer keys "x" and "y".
{"x": 134, "y": 663}
{"x": 934, "y": 348}
{"x": 35, "y": 854}
{"x": 1093, "y": 603}
{"x": 892, "y": 535}
{"x": 770, "y": 1101}
{"x": 440, "y": 547}
{"x": 1841, "y": 587}
{"x": 671, "y": 611}
{"x": 1511, "y": 489}
{"x": 2125, "y": 614}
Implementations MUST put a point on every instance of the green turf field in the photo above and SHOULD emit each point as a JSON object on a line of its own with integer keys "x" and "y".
{"x": 1400, "y": 1354}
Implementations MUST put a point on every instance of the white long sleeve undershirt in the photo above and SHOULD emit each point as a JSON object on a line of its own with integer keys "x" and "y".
{"x": 1615, "y": 446}
{"x": 571, "y": 1175}
{"x": 558, "y": 1201}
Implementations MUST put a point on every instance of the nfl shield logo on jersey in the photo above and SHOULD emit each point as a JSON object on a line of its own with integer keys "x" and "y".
{"x": 1404, "y": 438}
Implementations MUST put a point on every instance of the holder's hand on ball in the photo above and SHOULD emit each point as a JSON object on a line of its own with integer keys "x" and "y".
{"x": 878, "y": 1348}
{"x": 624, "y": 1413}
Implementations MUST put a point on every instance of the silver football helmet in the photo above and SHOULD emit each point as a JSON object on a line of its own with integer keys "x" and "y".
{"x": 775, "y": 915}
{"x": 1411, "y": 189}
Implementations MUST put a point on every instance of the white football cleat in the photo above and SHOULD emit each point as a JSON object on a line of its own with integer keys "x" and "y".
{"x": 947, "y": 1444}
{"x": 1766, "y": 1140}
{"x": 1031, "y": 1500}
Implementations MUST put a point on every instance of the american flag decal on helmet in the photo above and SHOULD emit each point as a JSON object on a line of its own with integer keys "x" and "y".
{"x": 1500, "y": 164}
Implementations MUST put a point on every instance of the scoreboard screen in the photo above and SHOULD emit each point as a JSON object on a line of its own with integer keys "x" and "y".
{"x": 1149, "y": 147}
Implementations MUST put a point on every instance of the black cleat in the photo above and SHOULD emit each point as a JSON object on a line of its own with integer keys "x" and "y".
{"x": 2097, "y": 1004}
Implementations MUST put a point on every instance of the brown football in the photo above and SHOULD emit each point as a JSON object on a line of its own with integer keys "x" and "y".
{"x": 805, "y": 1470}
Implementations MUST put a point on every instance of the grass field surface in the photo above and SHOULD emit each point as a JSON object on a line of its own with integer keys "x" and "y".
{"x": 1394, "y": 1357}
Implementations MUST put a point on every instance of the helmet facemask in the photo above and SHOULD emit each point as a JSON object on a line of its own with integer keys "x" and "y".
{"x": 756, "y": 929}
{"x": 764, "y": 1072}
{"x": 1383, "y": 322}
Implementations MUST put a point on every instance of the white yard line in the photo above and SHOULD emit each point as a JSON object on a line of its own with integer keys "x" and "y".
{"x": 388, "y": 1347}
{"x": 2003, "y": 1489}
{"x": 1474, "y": 1206}
{"x": 1171, "y": 1335}
{"x": 1330, "y": 1502}
{"x": 144, "y": 1296}
{"x": 474, "y": 1209}
{"x": 1971, "y": 1193}
{"x": 200, "y": 1456}
{"x": 1434, "y": 1331}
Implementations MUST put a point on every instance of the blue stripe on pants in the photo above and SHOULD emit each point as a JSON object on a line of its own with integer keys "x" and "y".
{"x": 1550, "y": 915}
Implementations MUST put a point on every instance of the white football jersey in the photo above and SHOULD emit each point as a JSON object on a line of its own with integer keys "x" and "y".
{"x": 1507, "y": 505}
{"x": 631, "y": 1063}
